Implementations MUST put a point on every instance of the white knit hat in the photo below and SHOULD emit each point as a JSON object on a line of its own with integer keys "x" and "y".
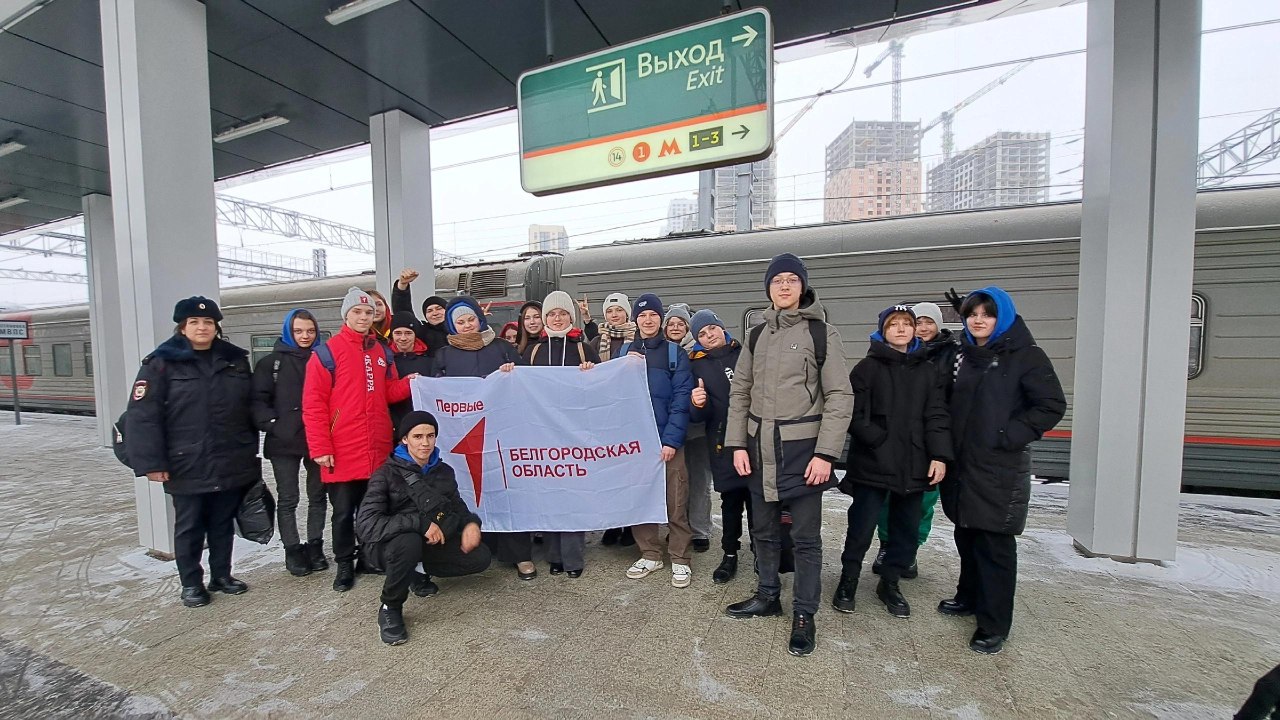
{"x": 559, "y": 300}
{"x": 929, "y": 310}
{"x": 355, "y": 296}
{"x": 619, "y": 299}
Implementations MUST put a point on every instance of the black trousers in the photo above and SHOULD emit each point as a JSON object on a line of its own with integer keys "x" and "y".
{"x": 806, "y": 533}
{"x": 286, "y": 470}
{"x": 402, "y": 553}
{"x": 1264, "y": 703}
{"x": 201, "y": 518}
{"x": 345, "y": 497}
{"x": 510, "y": 547}
{"x": 904, "y": 525}
{"x": 732, "y": 506}
{"x": 988, "y": 575}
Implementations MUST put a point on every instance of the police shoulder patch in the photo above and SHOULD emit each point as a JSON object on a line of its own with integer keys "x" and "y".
{"x": 139, "y": 389}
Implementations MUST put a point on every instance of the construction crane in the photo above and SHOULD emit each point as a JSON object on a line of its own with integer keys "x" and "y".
{"x": 1254, "y": 145}
{"x": 947, "y": 116}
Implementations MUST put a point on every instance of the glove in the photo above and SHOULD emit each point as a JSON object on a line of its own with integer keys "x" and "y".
{"x": 954, "y": 298}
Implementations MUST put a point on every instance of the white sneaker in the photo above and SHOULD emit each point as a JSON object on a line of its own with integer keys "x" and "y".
{"x": 642, "y": 568}
{"x": 681, "y": 575}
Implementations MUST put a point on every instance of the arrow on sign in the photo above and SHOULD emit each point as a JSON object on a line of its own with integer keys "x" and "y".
{"x": 749, "y": 35}
{"x": 741, "y": 133}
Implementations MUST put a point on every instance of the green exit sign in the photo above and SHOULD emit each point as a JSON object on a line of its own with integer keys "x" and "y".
{"x": 697, "y": 97}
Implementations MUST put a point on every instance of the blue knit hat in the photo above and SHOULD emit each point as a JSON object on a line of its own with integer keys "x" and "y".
{"x": 786, "y": 262}
{"x": 703, "y": 318}
{"x": 901, "y": 308}
{"x": 647, "y": 301}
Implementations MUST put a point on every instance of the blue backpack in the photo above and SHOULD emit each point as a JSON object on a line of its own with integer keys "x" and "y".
{"x": 325, "y": 355}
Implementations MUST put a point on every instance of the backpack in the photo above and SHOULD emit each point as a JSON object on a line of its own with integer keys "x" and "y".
{"x": 672, "y": 349}
{"x": 117, "y": 440}
{"x": 533, "y": 357}
{"x": 817, "y": 331}
{"x": 325, "y": 355}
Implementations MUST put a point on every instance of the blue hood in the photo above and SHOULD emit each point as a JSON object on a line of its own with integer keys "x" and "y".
{"x": 914, "y": 346}
{"x": 286, "y": 329}
{"x": 1006, "y": 313}
{"x": 470, "y": 302}
{"x": 402, "y": 452}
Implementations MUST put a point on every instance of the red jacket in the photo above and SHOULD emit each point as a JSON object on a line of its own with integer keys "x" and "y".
{"x": 348, "y": 416}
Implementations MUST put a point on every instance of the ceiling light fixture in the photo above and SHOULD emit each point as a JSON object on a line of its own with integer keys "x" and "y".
{"x": 250, "y": 128}
{"x": 11, "y": 147}
{"x": 10, "y": 202}
{"x": 354, "y": 9}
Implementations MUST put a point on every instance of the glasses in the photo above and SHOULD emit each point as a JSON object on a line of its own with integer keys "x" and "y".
{"x": 785, "y": 282}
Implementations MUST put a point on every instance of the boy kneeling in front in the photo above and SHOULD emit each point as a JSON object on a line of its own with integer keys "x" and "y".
{"x": 412, "y": 513}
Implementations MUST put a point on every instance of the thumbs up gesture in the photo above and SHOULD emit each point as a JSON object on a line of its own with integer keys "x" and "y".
{"x": 699, "y": 395}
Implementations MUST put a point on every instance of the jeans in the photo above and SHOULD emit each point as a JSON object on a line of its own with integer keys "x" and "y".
{"x": 806, "y": 532}
{"x": 199, "y": 518}
{"x": 286, "y": 471}
{"x": 698, "y": 468}
{"x": 345, "y": 497}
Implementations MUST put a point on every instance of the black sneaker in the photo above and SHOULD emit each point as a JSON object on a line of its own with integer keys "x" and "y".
{"x": 422, "y": 586}
{"x": 345, "y": 578}
{"x": 195, "y": 596}
{"x": 391, "y": 626}
{"x": 803, "y": 634}
{"x": 844, "y": 599}
{"x": 728, "y": 568}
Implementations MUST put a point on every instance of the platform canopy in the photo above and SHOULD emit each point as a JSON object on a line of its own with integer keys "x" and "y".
{"x": 437, "y": 60}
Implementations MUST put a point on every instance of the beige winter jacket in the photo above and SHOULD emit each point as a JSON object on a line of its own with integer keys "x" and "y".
{"x": 782, "y": 410}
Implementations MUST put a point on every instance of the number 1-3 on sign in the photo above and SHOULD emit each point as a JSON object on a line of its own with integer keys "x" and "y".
{"x": 706, "y": 138}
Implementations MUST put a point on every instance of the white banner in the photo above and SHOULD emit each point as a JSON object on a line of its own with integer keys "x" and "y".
{"x": 552, "y": 448}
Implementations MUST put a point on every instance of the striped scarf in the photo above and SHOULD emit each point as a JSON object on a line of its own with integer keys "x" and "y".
{"x": 625, "y": 332}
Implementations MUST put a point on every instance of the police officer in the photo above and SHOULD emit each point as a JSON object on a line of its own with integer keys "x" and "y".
{"x": 190, "y": 427}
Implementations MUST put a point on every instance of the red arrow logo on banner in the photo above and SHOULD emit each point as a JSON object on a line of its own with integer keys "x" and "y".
{"x": 472, "y": 448}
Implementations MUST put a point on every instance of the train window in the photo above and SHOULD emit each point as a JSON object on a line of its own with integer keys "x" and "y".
{"x": 32, "y": 360}
{"x": 951, "y": 319}
{"x": 1195, "y": 358}
{"x": 62, "y": 359}
{"x": 88, "y": 359}
{"x": 752, "y": 318}
{"x": 6, "y": 364}
{"x": 261, "y": 346}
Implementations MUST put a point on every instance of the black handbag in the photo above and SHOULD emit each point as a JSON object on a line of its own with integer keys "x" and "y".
{"x": 256, "y": 517}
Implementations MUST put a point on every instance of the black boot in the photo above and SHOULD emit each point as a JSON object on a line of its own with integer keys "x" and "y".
{"x": 195, "y": 596}
{"x": 315, "y": 555}
{"x": 755, "y": 606}
{"x": 345, "y": 578}
{"x": 986, "y": 643}
{"x": 803, "y": 634}
{"x": 391, "y": 626}
{"x": 296, "y": 560}
{"x": 955, "y": 606}
{"x": 879, "y": 563}
{"x": 891, "y": 596}
{"x": 701, "y": 545}
{"x": 611, "y": 536}
{"x": 844, "y": 598}
{"x": 728, "y": 568}
{"x": 912, "y": 572}
{"x": 228, "y": 585}
{"x": 627, "y": 539}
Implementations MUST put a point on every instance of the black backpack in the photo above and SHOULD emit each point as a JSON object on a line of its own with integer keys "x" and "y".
{"x": 117, "y": 440}
{"x": 817, "y": 331}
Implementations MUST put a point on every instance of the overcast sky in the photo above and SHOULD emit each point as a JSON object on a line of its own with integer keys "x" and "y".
{"x": 481, "y": 212}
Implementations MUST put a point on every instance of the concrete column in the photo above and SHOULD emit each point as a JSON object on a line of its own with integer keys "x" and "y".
{"x": 112, "y": 376}
{"x": 156, "y": 76}
{"x": 400, "y": 146}
{"x": 1136, "y": 257}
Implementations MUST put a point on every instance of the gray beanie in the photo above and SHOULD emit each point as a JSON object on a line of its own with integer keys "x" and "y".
{"x": 680, "y": 310}
{"x": 703, "y": 318}
{"x": 929, "y": 310}
{"x": 356, "y": 296}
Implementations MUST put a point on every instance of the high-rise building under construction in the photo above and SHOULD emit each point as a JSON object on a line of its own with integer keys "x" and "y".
{"x": 873, "y": 170}
{"x": 1006, "y": 168}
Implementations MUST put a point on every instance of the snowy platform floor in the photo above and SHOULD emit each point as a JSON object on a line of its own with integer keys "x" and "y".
{"x": 92, "y": 627}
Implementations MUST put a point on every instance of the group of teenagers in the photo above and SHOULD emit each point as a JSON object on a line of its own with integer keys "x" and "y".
{"x": 927, "y": 413}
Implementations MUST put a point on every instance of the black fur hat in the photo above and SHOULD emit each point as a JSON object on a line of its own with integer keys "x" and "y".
{"x": 196, "y": 306}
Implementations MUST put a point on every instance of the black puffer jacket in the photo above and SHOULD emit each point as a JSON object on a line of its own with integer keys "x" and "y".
{"x": 715, "y": 369}
{"x": 1006, "y": 395}
{"x": 942, "y": 351}
{"x": 408, "y": 363}
{"x": 456, "y": 362}
{"x": 277, "y": 400}
{"x": 189, "y": 415}
{"x": 900, "y": 421}
{"x": 560, "y": 352}
{"x": 435, "y": 336}
{"x": 403, "y": 499}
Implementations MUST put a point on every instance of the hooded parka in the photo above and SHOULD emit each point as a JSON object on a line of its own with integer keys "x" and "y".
{"x": 900, "y": 421}
{"x": 668, "y": 390}
{"x": 277, "y": 396}
{"x": 189, "y": 415}
{"x": 784, "y": 409}
{"x": 1006, "y": 395}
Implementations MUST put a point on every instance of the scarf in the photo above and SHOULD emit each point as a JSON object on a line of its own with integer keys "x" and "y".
{"x": 472, "y": 341}
{"x": 625, "y": 332}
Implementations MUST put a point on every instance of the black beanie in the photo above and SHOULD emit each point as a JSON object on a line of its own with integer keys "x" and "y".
{"x": 884, "y": 315}
{"x": 196, "y": 306}
{"x": 433, "y": 300}
{"x": 403, "y": 319}
{"x": 413, "y": 420}
{"x": 786, "y": 262}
